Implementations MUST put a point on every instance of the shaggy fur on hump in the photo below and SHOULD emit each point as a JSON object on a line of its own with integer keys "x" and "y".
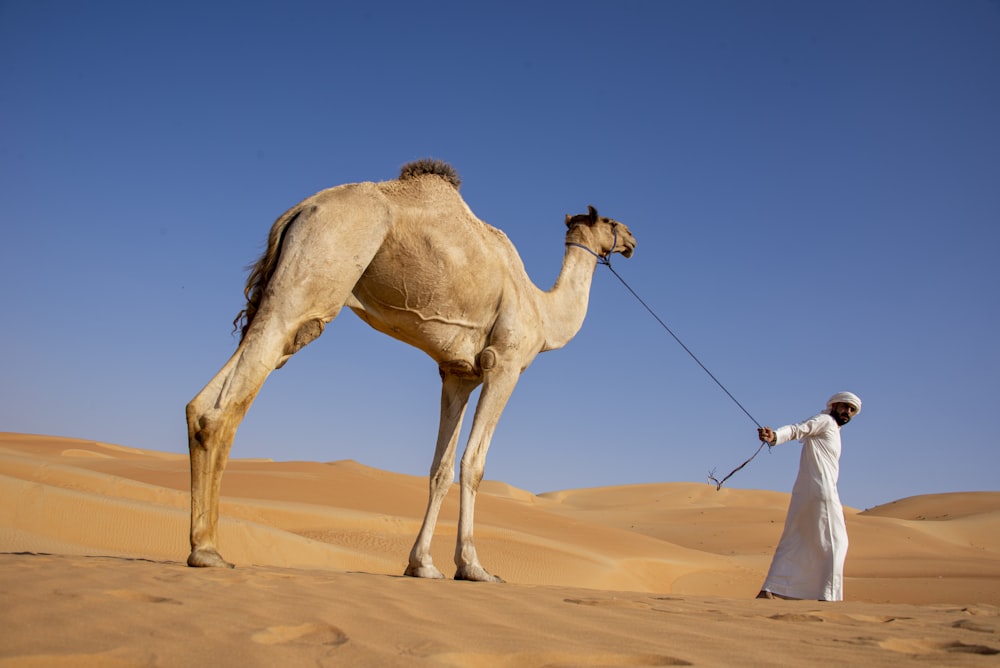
{"x": 430, "y": 166}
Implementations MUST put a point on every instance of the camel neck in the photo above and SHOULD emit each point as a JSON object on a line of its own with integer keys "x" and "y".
{"x": 565, "y": 305}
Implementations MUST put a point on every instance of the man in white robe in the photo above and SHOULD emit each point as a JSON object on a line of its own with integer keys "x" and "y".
{"x": 809, "y": 560}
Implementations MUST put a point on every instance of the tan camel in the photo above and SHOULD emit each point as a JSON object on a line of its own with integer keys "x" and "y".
{"x": 412, "y": 260}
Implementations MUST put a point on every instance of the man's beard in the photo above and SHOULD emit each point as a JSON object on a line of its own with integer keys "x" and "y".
{"x": 840, "y": 417}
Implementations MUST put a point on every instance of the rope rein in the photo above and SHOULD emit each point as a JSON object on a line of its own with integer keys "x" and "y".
{"x": 606, "y": 261}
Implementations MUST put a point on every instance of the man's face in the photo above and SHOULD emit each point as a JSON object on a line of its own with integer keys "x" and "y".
{"x": 842, "y": 413}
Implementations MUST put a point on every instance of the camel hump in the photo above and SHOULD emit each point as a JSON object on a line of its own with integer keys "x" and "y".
{"x": 412, "y": 170}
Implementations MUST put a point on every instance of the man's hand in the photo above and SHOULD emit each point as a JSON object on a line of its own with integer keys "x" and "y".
{"x": 767, "y": 435}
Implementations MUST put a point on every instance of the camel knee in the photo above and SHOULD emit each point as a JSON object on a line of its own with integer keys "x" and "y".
{"x": 206, "y": 430}
{"x": 442, "y": 478}
{"x": 195, "y": 409}
{"x": 197, "y": 434}
{"x": 471, "y": 474}
{"x": 201, "y": 434}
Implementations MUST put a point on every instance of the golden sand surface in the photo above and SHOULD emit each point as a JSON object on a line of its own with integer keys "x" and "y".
{"x": 93, "y": 538}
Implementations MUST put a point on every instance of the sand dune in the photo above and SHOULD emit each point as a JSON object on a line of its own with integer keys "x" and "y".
{"x": 93, "y": 538}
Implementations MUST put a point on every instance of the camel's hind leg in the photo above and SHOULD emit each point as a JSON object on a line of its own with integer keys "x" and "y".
{"x": 455, "y": 391}
{"x": 208, "y": 460}
{"x": 304, "y": 294}
{"x": 215, "y": 413}
{"x": 213, "y": 417}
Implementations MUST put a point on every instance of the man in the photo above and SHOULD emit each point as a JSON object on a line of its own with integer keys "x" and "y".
{"x": 809, "y": 560}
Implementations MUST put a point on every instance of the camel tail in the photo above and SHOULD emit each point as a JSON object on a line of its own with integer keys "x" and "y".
{"x": 423, "y": 166}
{"x": 262, "y": 270}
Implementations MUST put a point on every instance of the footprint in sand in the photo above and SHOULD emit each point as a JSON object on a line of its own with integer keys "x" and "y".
{"x": 116, "y": 658}
{"x": 270, "y": 579}
{"x": 139, "y": 597}
{"x": 642, "y": 605}
{"x": 918, "y": 646}
{"x": 970, "y": 625}
{"x": 608, "y": 602}
{"x": 796, "y": 617}
{"x": 303, "y": 634}
{"x": 540, "y": 659}
{"x": 864, "y": 619}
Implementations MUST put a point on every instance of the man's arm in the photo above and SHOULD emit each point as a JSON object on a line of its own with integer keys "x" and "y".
{"x": 791, "y": 432}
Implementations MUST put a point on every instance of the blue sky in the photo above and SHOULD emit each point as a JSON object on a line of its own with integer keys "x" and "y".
{"x": 814, "y": 186}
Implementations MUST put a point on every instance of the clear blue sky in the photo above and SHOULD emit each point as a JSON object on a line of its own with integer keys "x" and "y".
{"x": 814, "y": 186}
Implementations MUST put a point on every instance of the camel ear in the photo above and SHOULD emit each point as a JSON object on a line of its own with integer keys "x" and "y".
{"x": 582, "y": 218}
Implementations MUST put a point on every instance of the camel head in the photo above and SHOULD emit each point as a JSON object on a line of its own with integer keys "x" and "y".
{"x": 600, "y": 235}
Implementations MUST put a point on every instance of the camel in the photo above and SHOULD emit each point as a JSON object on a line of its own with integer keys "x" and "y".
{"x": 410, "y": 258}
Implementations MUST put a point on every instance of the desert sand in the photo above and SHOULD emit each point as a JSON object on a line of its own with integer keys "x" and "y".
{"x": 93, "y": 538}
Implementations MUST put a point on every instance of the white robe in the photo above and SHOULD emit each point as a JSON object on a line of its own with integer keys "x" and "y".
{"x": 809, "y": 560}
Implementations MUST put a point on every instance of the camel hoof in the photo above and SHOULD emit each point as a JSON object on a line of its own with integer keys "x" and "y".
{"x": 477, "y": 574}
{"x": 429, "y": 572}
{"x": 207, "y": 559}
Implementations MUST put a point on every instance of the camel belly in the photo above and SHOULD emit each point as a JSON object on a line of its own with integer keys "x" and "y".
{"x": 446, "y": 339}
{"x": 423, "y": 289}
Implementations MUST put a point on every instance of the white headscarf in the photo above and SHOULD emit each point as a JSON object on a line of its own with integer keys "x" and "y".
{"x": 844, "y": 398}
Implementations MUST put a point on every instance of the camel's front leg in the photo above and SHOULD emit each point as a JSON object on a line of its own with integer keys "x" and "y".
{"x": 497, "y": 389}
{"x": 455, "y": 393}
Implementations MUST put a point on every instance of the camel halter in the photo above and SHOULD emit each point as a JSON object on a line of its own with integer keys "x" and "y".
{"x": 606, "y": 261}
